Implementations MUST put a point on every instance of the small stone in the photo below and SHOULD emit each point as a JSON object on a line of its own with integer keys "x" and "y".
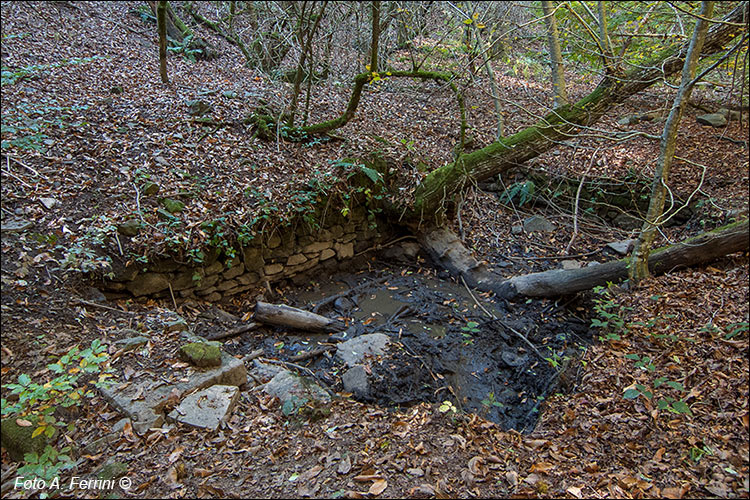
{"x": 537, "y": 224}
{"x": 273, "y": 241}
{"x": 572, "y": 264}
{"x": 355, "y": 380}
{"x": 317, "y": 247}
{"x": 173, "y": 206}
{"x": 199, "y": 107}
{"x": 201, "y": 354}
{"x": 517, "y": 229}
{"x": 622, "y": 247}
{"x": 296, "y": 260}
{"x": 129, "y": 228}
{"x": 48, "y": 203}
{"x": 714, "y": 119}
{"x": 178, "y": 325}
{"x": 150, "y": 188}
{"x": 345, "y": 251}
{"x": 131, "y": 343}
{"x": 272, "y": 269}
{"x": 116, "y": 89}
{"x": 229, "y": 94}
{"x": 148, "y": 284}
{"x": 327, "y": 254}
{"x": 354, "y": 350}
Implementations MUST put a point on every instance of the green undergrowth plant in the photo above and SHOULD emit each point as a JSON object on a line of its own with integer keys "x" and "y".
{"x": 25, "y": 125}
{"x": 38, "y": 403}
{"x": 610, "y": 315}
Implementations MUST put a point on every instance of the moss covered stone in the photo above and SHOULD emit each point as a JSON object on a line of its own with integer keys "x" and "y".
{"x": 201, "y": 354}
{"x": 173, "y": 206}
{"x": 17, "y": 439}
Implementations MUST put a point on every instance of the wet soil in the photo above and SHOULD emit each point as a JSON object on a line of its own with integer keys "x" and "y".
{"x": 447, "y": 345}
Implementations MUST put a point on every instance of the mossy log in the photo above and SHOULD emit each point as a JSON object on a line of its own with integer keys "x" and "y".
{"x": 435, "y": 192}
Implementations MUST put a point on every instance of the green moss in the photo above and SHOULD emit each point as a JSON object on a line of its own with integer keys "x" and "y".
{"x": 201, "y": 354}
{"x": 17, "y": 440}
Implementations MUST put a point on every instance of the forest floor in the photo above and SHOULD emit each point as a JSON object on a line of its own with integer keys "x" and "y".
{"x": 88, "y": 118}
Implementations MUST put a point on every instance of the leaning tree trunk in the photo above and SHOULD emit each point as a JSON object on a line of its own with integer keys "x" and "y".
{"x": 555, "y": 54}
{"x": 639, "y": 263}
{"x": 436, "y": 190}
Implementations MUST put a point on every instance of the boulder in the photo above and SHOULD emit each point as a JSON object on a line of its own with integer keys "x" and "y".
{"x": 356, "y": 381}
{"x": 353, "y": 351}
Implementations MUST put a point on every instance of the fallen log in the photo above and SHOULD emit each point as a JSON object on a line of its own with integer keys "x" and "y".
{"x": 448, "y": 251}
{"x": 700, "y": 249}
{"x": 291, "y": 317}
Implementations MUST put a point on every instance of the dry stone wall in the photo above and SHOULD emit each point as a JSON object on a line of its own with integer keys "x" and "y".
{"x": 284, "y": 253}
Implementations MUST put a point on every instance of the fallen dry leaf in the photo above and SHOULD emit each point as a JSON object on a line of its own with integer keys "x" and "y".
{"x": 378, "y": 487}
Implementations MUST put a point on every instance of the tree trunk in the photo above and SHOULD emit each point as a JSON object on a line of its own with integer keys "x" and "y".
{"x": 639, "y": 265}
{"x": 437, "y": 188}
{"x": 375, "y": 36}
{"x": 555, "y": 54}
{"x": 161, "y": 19}
{"x": 701, "y": 249}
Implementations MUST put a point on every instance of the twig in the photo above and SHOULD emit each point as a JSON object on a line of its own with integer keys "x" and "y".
{"x": 33, "y": 171}
{"x": 346, "y": 293}
{"x": 311, "y": 354}
{"x": 554, "y": 257}
{"x": 174, "y": 302}
{"x": 18, "y": 179}
{"x": 578, "y": 197}
{"x": 102, "y": 306}
{"x": 505, "y": 325}
{"x": 238, "y": 330}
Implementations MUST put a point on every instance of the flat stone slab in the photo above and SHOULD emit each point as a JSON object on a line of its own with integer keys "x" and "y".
{"x": 206, "y": 408}
{"x": 293, "y": 389}
{"x": 353, "y": 351}
{"x": 15, "y": 225}
{"x": 142, "y": 400}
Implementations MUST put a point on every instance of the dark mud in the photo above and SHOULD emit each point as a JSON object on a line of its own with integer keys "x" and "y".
{"x": 446, "y": 344}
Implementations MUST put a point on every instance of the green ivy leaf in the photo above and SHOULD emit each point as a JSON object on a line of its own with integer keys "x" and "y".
{"x": 631, "y": 394}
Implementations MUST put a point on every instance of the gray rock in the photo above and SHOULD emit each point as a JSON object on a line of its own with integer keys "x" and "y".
{"x": 142, "y": 401}
{"x": 129, "y": 228}
{"x": 516, "y": 229}
{"x": 201, "y": 354}
{"x": 627, "y": 222}
{"x": 178, "y": 325}
{"x": 622, "y": 247}
{"x": 537, "y": 224}
{"x": 147, "y": 284}
{"x": 356, "y": 381}
{"x": 265, "y": 371}
{"x": 48, "y": 203}
{"x": 353, "y": 351}
{"x": 131, "y": 343}
{"x": 15, "y": 225}
{"x": 150, "y": 188}
{"x": 207, "y": 408}
{"x": 713, "y": 119}
{"x": 199, "y": 107}
{"x": 294, "y": 390}
{"x": 173, "y": 206}
{"x": 572, "y": 264}
{"x": 510, "y": 358}
{"x": 112, "y": 470}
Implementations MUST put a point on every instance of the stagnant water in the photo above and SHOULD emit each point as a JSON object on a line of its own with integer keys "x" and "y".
{"x": 446, "y": 346}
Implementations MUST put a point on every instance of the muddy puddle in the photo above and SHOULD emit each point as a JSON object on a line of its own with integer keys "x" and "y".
{"x": 496, "y": 359}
